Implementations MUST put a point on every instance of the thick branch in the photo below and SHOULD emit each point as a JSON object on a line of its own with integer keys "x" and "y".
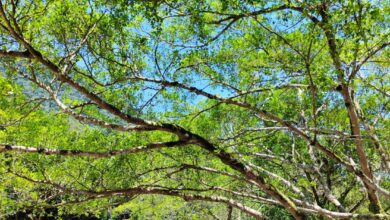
{"x": 15, "y": 54}
{"x": 349, "y": 104}
{"x": 48, "y": 151}
{"x": 140, "y": 190}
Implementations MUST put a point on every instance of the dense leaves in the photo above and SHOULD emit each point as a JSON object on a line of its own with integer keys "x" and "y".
{"x": 194, "y": 109}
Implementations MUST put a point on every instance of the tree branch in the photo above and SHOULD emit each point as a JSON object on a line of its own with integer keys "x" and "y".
{"x": 76, "y": 153}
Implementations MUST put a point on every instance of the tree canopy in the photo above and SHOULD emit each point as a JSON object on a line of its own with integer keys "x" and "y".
{"x": 217, "y": 109}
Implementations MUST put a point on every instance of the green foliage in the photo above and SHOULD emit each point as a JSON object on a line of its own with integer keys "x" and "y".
{"x": 213, "y": 68}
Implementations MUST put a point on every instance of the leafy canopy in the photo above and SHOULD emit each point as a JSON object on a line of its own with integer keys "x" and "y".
{"x": 194, "y": 109}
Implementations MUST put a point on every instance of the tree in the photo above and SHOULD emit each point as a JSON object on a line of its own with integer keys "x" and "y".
{"x": 273, "y": 109}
